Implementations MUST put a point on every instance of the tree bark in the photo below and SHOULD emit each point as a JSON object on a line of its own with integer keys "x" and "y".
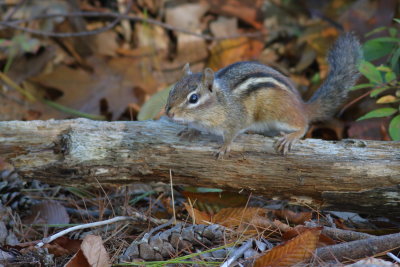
{"x": 353, "y": 175}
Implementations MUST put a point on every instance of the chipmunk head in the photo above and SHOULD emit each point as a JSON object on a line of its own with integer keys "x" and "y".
{"x": 191, "y": 96}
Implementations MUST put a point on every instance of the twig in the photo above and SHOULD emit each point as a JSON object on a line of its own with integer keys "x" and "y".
{"x": 13, "y": 24}
{"x": 82, "y": 226}
{"x": 344, "y": 235}
{"x": 238, "y": 253}
{"x": 393, "y": 257}
{"x": 95, "y": 224}
{"x": 359, "y": 249}
{"x": 16, "y": 8}
{"x": 172, "y": 194}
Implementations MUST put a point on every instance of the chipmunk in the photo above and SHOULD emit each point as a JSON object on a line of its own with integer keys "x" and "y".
{"x": 252, "y": 96}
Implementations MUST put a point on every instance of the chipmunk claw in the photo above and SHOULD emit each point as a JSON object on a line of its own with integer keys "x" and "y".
{"x": 285, "y": 143}
{"x": 223, "y": 151}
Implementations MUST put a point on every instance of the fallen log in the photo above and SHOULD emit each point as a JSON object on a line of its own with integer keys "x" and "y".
{"x": 353, "y": 175}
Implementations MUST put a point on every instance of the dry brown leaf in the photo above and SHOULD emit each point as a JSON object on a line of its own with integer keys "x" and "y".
{"x": 232, "y": 50}
{"x": 293, "y": 217}
{"x": 48, "y": 212}
{"x": 198, "y": 217}
{"x": 373, "y": 262}
{"x": 297, "y": 250}
{"x": 95, "y": 252}
{"x": 322, "y": 241}
{"x": 248, "y": 11}
{"x": 71, "y": 245}
{"x": 114, "y": 80}
{"x": 233, "y": 217}
{"x": 78, "y": 260}
{"x": 224, "y": 27}
{"x": 106, "y": 43}
{"x": 187, "y": 16}
{"x": 92, "y": 253}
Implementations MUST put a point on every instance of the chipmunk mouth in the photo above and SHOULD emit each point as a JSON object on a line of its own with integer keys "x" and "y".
{"x": 180, "y": 120}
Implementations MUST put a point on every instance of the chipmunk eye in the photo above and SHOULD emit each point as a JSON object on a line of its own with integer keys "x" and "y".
{"x": 193, "y": 98}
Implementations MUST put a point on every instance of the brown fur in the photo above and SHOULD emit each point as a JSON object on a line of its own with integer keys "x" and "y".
{"x": 249, "y": 95}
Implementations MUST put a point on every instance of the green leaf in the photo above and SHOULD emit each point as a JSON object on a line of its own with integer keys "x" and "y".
{"x": 379, "y": 90}
{"x": 387, "y": 40}
{"x": 397, "y": 20}
{"x": 392, "y": 31}
{"x": 154, "y": 105}
{"x": 362, "y": 86}
{"x": 378, "y": 113}
{"x": 394, "y": 128}
{"x": 394, "y": 61}
{"x": 373, "y": 49}
{"x": 371, "y": 72}
{"x": 383, "y": 68}
{"x": 390, "y": 76}
{"x": 379, "y": 29}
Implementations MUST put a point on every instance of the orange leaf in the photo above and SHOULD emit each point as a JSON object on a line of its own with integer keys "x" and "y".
{"x": 323, "y": 240}
{"x": 293, "y": 217}
{"x": 198, "y": 217}
{"x": 297, "y": 250}
{"x": 232, "y": 217}
{"x": 232, "y": 50}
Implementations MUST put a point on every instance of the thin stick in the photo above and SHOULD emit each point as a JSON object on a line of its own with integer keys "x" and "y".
{"x": 82, "y": 226}
{"x": 172, "y": 194}
{"x": 135, "y": 216}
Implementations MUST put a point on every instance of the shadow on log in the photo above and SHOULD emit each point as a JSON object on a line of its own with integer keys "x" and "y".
{"x": 353, "y": 175}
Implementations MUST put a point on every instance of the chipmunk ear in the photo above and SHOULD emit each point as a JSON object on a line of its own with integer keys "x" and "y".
{"x": 186, "y": 69}
{"x": 208, "y": 79}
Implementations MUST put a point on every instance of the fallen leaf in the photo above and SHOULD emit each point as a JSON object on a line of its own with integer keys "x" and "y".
{"x": 293, "y": 217}
{"x": 248, "y": 11}
{"x": 296, "y": 250}
{"x": 322, "y": 241}
{"x": 78, "y": 260}
{"x": 92, "y": 253}
{"x": 198, "y": 217}
{"x": 229, "y": 51}
{"x": 233, "y": 217}
{"x": 106, "y": 43}
{"x": 48, "y": 212}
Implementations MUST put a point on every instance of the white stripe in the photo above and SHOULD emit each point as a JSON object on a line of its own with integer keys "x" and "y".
{"x": 244, "y": 86}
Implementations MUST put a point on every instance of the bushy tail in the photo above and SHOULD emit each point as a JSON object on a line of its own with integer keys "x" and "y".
{"x": 343, "y": 59}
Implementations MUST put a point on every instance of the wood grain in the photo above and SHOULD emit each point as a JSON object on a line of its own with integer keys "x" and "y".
{"x": 357, "y": 175}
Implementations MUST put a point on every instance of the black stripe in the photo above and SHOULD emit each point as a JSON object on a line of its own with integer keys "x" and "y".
{"x": 261, "y": 75}
{"x": 257, "y": 86}
{"x": 222, "y": 72}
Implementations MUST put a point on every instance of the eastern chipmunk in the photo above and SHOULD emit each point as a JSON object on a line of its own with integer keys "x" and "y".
{"x": 251, "y": 96}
